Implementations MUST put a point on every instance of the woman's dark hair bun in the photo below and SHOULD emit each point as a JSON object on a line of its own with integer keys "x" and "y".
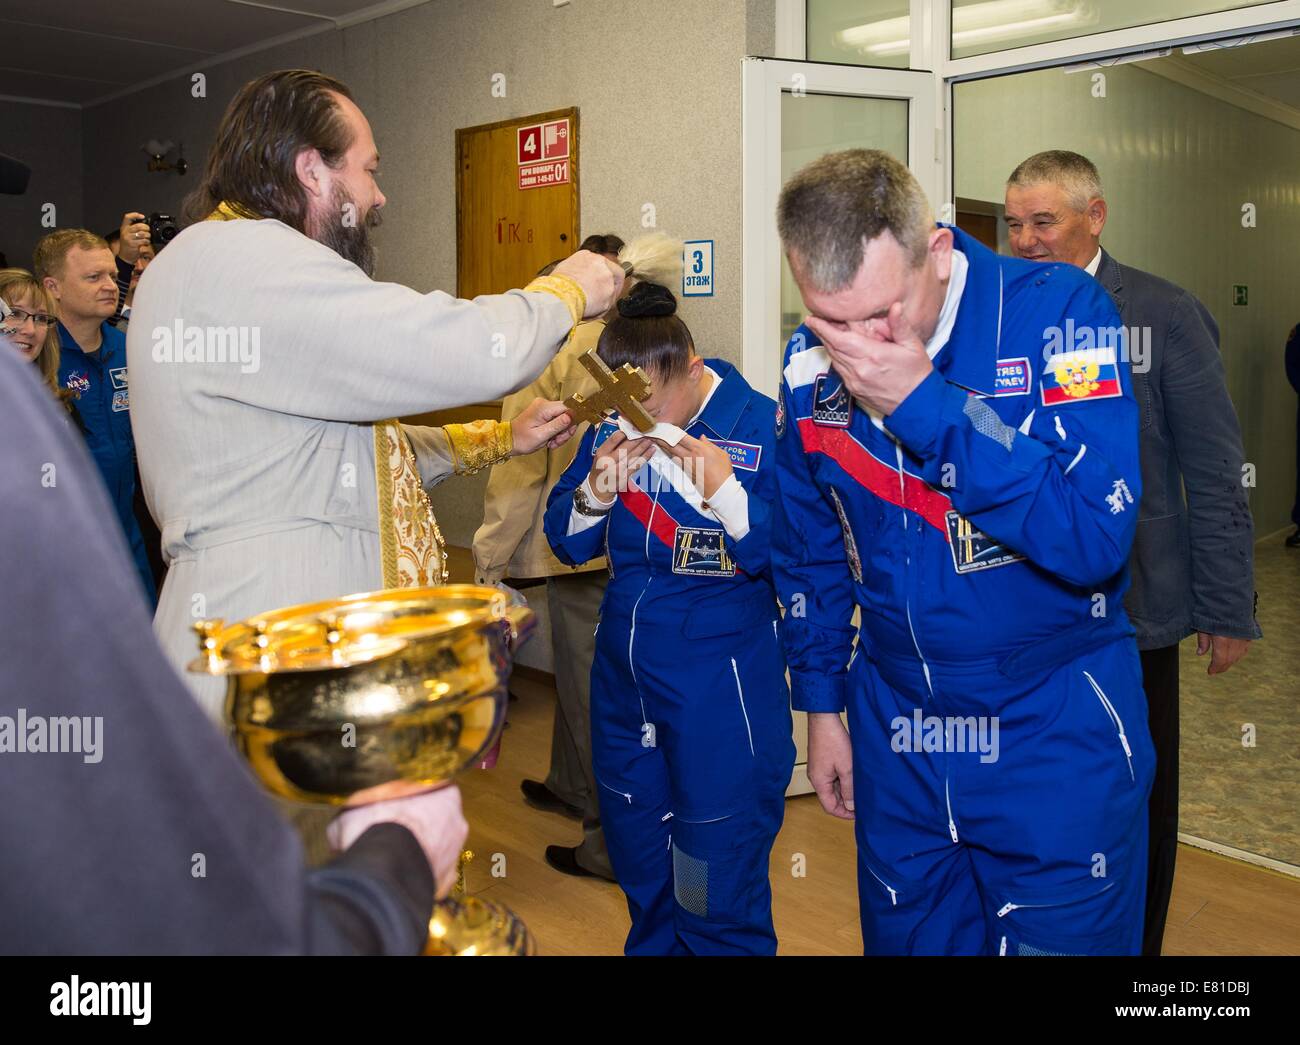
{"x": 647, "y": 299}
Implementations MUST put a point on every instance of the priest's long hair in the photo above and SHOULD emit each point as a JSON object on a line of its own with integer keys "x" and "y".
{"x": 267, "y": 124}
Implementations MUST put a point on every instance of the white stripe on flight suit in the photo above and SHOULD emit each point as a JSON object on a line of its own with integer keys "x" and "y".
{"x": 1083, "y": 449}
{"x": 807, "y": 366}
{"x": 998, "y": 344}
{"x": 740, "y": 691}
{"x": 649, "y": 526}
{"x": 907, "y": 605}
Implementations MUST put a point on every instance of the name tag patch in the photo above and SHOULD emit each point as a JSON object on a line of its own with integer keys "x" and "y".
{"x": 1012, "y": 377}
{"x": 832, "y": 404}
{"x": 118, "y": 374}
{"x": 973, "y": 550}
{"x": 743, "y": 455}
{"x": 702, "y": 552}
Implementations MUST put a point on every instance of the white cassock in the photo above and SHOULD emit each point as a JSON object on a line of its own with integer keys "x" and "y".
{"x": 262, "y": 366}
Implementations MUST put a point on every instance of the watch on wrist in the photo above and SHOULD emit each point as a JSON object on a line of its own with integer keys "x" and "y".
{"x": 583, "y": 505}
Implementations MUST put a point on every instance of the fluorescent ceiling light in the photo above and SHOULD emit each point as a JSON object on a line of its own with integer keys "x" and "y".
{"x": 986, "y": 22}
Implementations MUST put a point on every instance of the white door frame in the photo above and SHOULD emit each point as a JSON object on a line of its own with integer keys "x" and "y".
{"x": 930, "y": 51}
{"x": 764, "y": 81}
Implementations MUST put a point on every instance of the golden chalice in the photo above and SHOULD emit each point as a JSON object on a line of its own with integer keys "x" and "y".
{"x": 376, "y": 693}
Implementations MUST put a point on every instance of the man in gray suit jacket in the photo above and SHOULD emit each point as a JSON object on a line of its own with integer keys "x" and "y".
{"x": 1192, "y": 566}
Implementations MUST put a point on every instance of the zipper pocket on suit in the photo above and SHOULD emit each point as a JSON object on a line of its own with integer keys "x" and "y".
{"x": 740, "y": 692}
{"x": 621, "y": 794}
{"x": 1008, "y": 907}
{"x": 1114, "y": 716}
{"x": 893, "y": 893}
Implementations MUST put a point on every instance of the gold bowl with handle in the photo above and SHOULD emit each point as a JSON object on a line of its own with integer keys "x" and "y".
{"x": 380, "y": 692}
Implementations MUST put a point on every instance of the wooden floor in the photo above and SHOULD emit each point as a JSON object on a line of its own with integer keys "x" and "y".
{"x": 1220, "y": 906}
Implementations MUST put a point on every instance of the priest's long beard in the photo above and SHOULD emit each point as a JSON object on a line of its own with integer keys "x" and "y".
{"x": 349, "y": 239}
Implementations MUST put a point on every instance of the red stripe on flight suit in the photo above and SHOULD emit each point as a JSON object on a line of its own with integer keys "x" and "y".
{"x": 662, "y": 525}
{"x": 655, "y": 519}
{"x": 916, "y": 496}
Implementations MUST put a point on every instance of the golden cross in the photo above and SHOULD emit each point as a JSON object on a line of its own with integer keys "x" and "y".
{"x": 621, "y": 390}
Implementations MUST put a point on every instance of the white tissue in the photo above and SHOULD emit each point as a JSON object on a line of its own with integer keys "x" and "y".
{"x": 670, "y": 434}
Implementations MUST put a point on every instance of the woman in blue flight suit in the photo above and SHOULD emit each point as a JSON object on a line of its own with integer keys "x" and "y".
{"x": 691, "y": 731}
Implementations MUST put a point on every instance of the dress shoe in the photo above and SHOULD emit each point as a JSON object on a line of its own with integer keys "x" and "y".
{"x": 565, "y": 860}
{"x": 1294, "y": 540}
{"x": 539, "y": 796}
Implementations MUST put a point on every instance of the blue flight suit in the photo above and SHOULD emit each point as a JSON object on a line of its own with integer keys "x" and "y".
{"x": 1001, "y": 759}
{"x": 691, "y": 728}
{"x": 99, "y": 379}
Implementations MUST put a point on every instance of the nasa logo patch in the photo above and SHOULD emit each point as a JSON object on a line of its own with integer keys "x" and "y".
{"x": 832, "y": 405}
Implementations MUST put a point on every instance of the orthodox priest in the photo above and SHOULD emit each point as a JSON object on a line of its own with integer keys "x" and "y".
{"x": 267, "y": 367}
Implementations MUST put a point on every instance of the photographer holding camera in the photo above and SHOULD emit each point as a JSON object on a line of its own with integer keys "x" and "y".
{"x": 135, "y": 244}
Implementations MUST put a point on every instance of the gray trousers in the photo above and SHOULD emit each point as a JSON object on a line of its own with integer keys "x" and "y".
{"x": 574, "y": 603}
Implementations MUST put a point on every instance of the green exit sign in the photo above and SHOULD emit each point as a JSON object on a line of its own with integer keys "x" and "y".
{"x": 1239, "y": 293}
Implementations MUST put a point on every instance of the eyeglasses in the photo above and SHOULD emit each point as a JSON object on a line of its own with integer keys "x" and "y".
{"x": 21, "y": 316}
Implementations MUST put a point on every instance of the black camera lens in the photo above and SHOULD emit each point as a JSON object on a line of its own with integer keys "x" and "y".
{"x": 162, "y": 230}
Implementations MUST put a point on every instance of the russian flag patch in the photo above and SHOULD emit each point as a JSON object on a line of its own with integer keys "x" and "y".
{"x": 1071, "y": 377}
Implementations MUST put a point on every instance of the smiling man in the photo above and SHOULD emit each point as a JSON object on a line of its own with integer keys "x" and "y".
{"x": 1193, "y": 556}
{"x": 79, "y": 269}
{"x": 934, "y": 475}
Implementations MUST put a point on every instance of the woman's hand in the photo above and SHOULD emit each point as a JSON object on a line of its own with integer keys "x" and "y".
{"x": 705, "y": 463}
{"x": 617, "y": 459}
{"x": 542, "y": 423}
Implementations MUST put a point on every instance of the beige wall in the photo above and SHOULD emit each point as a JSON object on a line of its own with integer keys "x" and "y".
{"x": 1177, "y": 165}
{"x": 658, "y": 87}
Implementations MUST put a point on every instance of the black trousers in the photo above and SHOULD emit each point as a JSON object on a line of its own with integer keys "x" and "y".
{"x": 1160, "y": 680}
{"x": 1295, "y": 508}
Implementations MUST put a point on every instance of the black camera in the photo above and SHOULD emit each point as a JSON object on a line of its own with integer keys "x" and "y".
{"x": 162, "y": 230}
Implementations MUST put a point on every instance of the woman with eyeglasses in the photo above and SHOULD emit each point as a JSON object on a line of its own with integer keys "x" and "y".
{"x": 29, "y": 323}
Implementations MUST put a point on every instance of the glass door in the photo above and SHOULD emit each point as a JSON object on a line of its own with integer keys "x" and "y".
{"x": 793, "y": 113}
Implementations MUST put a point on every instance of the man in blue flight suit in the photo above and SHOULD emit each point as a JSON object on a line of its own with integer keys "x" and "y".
{"x": 691, "y": 729}
{"x": 960, "y": 427}
{"x": 78, "y": 268}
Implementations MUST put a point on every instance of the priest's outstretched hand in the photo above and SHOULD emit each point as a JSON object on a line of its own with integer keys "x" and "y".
{"x": 541, "y": 423}
{"x": 600, "y": 279}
